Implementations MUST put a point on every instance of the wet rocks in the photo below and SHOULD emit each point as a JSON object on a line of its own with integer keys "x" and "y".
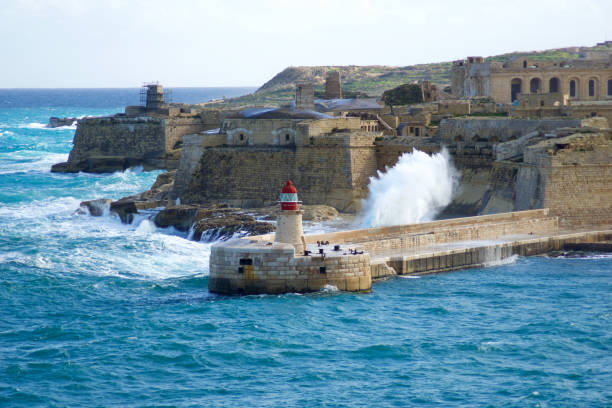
{"x": 58, "y": 122}
{"x": 215, "y": 222}
{"x": 226, "y": 225}
{"x": 97, "y": 208}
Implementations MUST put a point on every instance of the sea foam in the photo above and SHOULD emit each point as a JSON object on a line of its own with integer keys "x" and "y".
{"x": 416, "y": 189}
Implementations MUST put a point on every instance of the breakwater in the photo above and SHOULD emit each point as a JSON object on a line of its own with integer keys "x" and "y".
{"x": 350, "y": 259}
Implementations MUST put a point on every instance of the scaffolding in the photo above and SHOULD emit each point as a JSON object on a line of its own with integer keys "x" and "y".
{"x": 144, "y": 90}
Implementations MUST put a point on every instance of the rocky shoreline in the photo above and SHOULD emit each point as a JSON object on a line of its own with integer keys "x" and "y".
{"x": 201, "y": 222}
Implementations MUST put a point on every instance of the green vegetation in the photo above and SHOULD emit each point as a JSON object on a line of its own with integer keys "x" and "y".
{"x": 403, "y": 95}
{"x": 374, "y": 80}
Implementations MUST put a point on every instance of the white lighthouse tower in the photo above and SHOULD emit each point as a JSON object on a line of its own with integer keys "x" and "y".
{"x": 289, "y": 222}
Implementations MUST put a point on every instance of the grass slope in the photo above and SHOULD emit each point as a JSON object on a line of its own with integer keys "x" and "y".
{"x": 373, "y": 80}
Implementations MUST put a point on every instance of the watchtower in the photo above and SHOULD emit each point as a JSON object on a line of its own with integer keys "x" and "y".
{"x": 304, "y": 96}
{"x": 153, "y": 95}
{"x": 333, "y": 85}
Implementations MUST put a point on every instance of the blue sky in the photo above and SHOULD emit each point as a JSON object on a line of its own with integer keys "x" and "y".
{"x": 122, "y": 43}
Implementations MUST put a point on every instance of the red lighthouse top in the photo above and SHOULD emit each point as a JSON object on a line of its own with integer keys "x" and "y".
{"x": 288, "y": 197}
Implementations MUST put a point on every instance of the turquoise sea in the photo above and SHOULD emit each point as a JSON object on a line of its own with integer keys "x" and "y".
{"x": 95, "y": 313}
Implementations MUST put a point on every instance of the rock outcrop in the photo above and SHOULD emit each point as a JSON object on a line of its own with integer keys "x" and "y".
{"x": 55, "y": 122}
{"x": 215, "y": 222}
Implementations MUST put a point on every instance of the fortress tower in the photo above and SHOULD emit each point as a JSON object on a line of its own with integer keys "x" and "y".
{"x": 333, "y": 85}
{"x": 155, "y": 96}
{"x": 289, "y": 222}
{"x": 304, "y": 96}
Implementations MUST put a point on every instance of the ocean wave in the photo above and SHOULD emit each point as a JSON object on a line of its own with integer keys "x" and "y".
{"x": 499, "y": 262}
{"x": 24, "y": 161}
{"x": 45, "y": 126}
{"x": 33, "y": 125}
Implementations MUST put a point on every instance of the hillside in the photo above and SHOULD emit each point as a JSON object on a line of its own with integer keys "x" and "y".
{"x": 373, "y": 80}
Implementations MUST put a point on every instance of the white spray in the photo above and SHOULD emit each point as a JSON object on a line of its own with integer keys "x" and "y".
{"x": 416, "y": 189}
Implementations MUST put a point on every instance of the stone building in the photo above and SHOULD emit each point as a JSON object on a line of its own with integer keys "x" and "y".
{"x": 580, "y": 79}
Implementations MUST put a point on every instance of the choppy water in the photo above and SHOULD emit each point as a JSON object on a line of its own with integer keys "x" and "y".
{"x": 97, "y": 313}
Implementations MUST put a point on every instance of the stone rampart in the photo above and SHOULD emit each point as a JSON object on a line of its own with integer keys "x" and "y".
{"x": 572, "y": 176}
{"x": 113, "y": 143}
{"x": 332, "y": 170}
{"x": 495, "y": 129}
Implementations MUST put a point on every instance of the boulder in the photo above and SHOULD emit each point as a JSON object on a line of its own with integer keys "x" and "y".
{"x": 97, "y": 208}
{"x": 226, "y": 225}
{"x": 215, "y": 222}
{"x": 125, "y": 210}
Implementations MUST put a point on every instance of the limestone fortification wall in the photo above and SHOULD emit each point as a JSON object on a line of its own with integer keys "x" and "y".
{"x": 495, "y": 129}
{"x": 129, "y": 140}
{"x": 176, "y": 128}
{"x": 572, "y": 176}
{"x": 333, "y": 170}
{"x": 114, "y": 143}
{"x": 193, "y": 147}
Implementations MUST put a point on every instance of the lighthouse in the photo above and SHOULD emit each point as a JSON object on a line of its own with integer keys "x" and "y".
{"x": 289, "y": 222}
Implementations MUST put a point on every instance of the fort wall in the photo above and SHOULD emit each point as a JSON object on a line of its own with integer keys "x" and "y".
{"x": 495, "y": 129}
{"x": 331, "y": 170}
{"x": 107, "y": 144}
{"x": 572, "y": 176}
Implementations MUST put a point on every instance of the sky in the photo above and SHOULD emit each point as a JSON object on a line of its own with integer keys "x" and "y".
{"x": 123, "y": 43}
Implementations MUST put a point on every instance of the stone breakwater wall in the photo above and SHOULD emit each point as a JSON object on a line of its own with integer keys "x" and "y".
{"x": 408, "y": 237}
{"x": 251, "y": 267}
{"x": 113, "y": 143}
{"x": 447, "y": 260}
{"x": 332, "y": 170}
{"x": 260, "y": 265}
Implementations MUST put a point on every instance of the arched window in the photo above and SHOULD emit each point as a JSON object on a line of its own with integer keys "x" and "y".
{"x": 535, "y": 85}
{"x": 524, "y": 64}
{"x": 572, "y": 88}
{"x": 609, "y": 87}
{"x": 241, "y": 136}
{"x": 591, "y": 87}
{"x": 553, "y": 85}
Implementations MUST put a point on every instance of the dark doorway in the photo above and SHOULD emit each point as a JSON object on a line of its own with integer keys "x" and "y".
{"x": 535, "y": 85}
{"x": 515, "y": 89}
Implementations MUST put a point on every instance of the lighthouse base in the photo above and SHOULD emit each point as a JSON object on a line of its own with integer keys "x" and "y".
{"x": 244, "y": 266}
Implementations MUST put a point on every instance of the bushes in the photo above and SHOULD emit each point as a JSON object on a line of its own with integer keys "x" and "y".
{"x": 403, "y": 95}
